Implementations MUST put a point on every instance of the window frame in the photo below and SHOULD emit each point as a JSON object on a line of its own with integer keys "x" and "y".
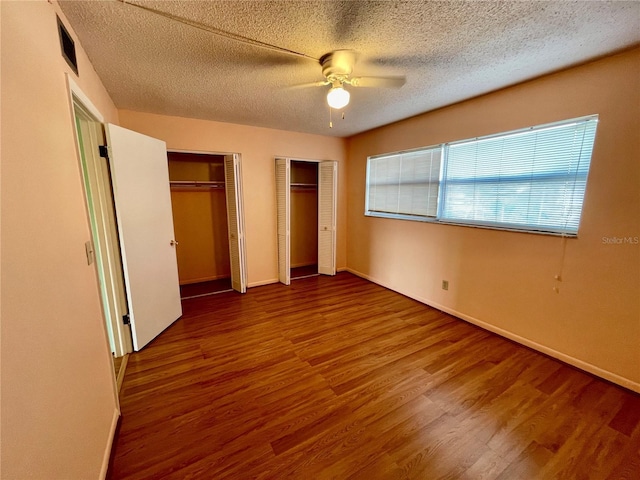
{"x": 441, "y": 189}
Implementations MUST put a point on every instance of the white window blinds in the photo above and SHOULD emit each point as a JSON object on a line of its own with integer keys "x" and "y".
{"x": 533, "y": 179}
{"x": 405, "y": 183}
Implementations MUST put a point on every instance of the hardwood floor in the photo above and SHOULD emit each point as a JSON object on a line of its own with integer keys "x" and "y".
{"x": 205, "y": 288}
{"x": 336, "y": 377}
{"x": 301, "y": 272}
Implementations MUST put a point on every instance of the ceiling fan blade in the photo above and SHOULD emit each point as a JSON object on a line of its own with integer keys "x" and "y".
{"x": 384, "y": 82}
{"x": 307, "y": 85}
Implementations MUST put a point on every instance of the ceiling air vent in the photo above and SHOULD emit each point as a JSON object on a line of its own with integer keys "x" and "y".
{"x": 68, "y": 47}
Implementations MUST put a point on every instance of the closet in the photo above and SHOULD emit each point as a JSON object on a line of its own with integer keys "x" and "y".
{"x": 306, "y": 194}
{"x": 205, "y": 200}
{"x": 304, "y": 219}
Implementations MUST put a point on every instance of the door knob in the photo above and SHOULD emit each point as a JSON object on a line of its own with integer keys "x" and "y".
{"x": 173, "y": 243}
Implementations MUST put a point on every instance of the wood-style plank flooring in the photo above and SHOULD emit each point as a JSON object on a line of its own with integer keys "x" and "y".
{"x": 336, "y": 377}
{"x": 205, "y": 288}
{"x": 305, "y": 271}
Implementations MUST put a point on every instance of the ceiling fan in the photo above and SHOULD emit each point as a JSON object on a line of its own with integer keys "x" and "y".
{"x": 337, "y": 67}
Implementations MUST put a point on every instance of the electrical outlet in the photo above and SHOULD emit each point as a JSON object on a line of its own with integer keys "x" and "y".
{"x": 445, "y": 284}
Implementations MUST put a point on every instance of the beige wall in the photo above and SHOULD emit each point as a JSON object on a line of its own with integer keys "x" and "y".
{"x": 258, "y": 147}
{"x": 200, "y": 225}
{"x": 504, "y": 280}
{"x": 199, "y": 219}
{"x": 58, "y": 402}
{"x": 304, "y": 227}
{"x": 58, "y": 406}
{"x": 303, "y": 202}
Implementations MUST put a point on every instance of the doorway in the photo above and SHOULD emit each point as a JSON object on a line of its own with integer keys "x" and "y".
{"x": 208, "y": 221}
{"x": 200, "y": 220}
{"x": 104, "y": 248}
{"x": 127, "y": 191}
{"x": 126, "y": 182}
{"x": 306, "y": 193}
{"x": 304, "y": 219}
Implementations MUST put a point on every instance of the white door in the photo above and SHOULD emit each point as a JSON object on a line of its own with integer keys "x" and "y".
{"x": 140, "y": 177}
{"x": 235, "y": 221}
{"x": 327, "y": 193}
{"x": 283, "y": 193}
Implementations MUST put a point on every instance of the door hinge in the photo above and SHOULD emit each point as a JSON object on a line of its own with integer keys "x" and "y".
{"x": 104, "y": 152}
{"x": 126, "y": 320}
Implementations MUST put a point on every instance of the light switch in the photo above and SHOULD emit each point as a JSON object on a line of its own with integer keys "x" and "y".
{"x": 88, "y": 248}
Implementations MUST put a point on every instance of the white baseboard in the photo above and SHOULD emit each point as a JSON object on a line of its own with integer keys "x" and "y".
{"x": 576, "y": 362}
{"x": 107, "y": 453}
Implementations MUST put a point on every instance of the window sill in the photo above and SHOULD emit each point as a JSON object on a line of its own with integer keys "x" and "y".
{"x": 506, "y": 228}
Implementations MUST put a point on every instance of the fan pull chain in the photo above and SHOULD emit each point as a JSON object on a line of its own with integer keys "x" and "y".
{"x": 330, "y": 119}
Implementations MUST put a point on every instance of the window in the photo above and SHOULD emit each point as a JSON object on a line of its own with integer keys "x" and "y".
{"x": 530, "y": 180}
{"x": 405, "y": 184}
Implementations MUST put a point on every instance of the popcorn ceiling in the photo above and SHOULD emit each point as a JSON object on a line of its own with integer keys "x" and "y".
{"x": 449, "y": 51}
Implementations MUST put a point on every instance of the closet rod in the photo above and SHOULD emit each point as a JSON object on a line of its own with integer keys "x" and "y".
{"x": 196, "y": 183}
{"x": 304, "y": 185}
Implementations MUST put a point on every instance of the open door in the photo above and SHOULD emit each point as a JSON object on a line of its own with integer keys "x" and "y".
{"x": 140, "y": 179}
{"x": 327, "y": 189}
{"x": 235, "y": 222}
{"x": 283, "y": 193}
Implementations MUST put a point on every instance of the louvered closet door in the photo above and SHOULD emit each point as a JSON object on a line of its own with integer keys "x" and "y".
{"x": 283, "y": 189}
{"x": 235, "y": 222}
{"x": 327, "y": 194}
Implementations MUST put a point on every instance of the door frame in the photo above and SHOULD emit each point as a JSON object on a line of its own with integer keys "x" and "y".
{"x": 106, "y": 247}
{"x": 121, "y": 337}
{"x": 242, "y": 253}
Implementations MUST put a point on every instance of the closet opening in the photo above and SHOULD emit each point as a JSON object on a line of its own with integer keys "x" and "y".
{"x": 199, "y": 203}
{"x": 304, "y": 219}
{"x": 306, "y": 194}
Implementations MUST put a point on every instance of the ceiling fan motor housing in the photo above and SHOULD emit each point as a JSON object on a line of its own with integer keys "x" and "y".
{"x": 336, "y": 65}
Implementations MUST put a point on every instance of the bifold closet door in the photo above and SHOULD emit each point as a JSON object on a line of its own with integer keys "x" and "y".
{"x": 283, "y": 196}
{"x": 235, "y": 222}
{"x": 327, "y": 193}
{"x": 140, "y": 178}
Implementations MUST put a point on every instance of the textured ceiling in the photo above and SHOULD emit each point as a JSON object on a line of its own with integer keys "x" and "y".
{"x": 448, "y": 50}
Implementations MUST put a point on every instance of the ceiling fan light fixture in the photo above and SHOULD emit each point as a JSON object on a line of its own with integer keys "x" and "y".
{"x": 338, "y": 97}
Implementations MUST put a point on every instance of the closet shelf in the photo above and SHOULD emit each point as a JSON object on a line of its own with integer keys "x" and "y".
{"x": 196, "y": 183}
